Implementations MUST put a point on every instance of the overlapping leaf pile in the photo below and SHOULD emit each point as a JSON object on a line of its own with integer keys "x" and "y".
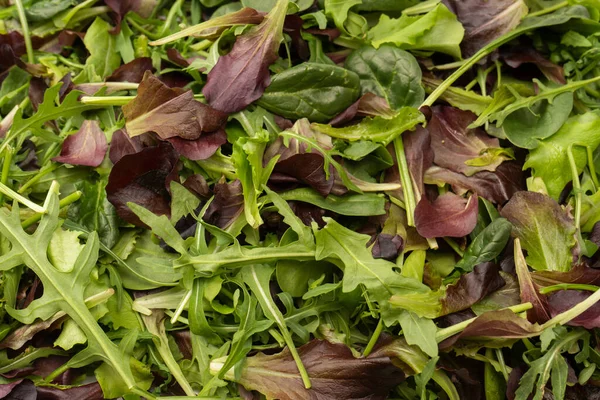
{"x": 298, "y": 199}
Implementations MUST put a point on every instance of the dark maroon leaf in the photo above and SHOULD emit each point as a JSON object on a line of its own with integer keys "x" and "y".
{"x": 37, "y": 87}
{"x": 497, "y": 186}
{"x": 529, "y": 290}
{"x": 143, "y": 178}
{"x": 6, "y": 388}
{"x": 293, "y": 27}
{"x": 514, "y": 57}
{"x": 29, "y": 162}
{"x": 227, "y": 205}
{"x": 197, "y": 184}
{"x": 454, "y": 318}
{"x": 331, "y": 33}
{"x": 501, "y": 324}
{"x": 307, "y": 168}
{"x": 334, "y": 373}
{"x": 564, "y": 300}
{"x": 169, "y": 112}
{"x": 86, "y": 147}
{"x": 175, "y": 57}
{"x": 485, "y": 20}
{"x": 308, "y": 213}
{"x": 91, "y": 391}
{"x": 15, "y": 41}
{"x": 133, "y": 71}
{"x": 240, "y": 77}
{"x": 387, "y": 246}
{"x": 449, "y": 215}
{"x": 472, "y": 287}
{"x": 201, "y": 148}
{"x": 122, "y": 7}
{"x": 466, "y": 374}
{"x": 455, "y": 145}
{"x": 595, "y": 234}
{"x": 25, "y": 390}
{"x": 122, "y": 144}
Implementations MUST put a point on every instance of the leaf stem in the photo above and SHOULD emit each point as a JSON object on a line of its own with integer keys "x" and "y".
{"x": 68, "y": 200}
{"x": 170, "y": 16}
{"x": 36, "y": 178}
{"x": 407, "y": 186}
{"x": 16, "y": 196}
{"x": 8, "y": 155}
{"x": 25, "y": 28}
{"x": 568, "y": 286}
{"x": 454, "y": 246}
{"x": 445, "y": 333}
{"x": 592, "y": 167}
{"x": 548, "y": 10}
{"x": 374, "y": 338}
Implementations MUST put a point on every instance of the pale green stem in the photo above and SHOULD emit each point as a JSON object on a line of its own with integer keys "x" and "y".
{"x": 68, "y": 200}
{"x": 172, "y": 12}
{"x": 37, "y": 177}
{"x": 568, "y": 286}
{"x": 25, "y": 28}
{"x": 592, "y": 167}
{"x": 407, "y": 186}
{"x": 374, "y": 338}
{"x": 16, "y": 196}
{"x": 8, "y": 155}
{"x": 181, "y": 306}
{"x": 454, "y": 246}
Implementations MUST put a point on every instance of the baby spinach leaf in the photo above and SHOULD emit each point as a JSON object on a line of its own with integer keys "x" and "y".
{"x": 240, "y": 77}
{"x": 388, "y": 72}
{"x": 487, "y": 245}
{"x": 546, "y": 231}
{"x": 436, "y": 31}
{"x": 315, "y": 91}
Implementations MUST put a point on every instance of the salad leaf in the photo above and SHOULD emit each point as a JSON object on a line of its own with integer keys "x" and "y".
{"x": 86, "y": 147}
{"x": 449, "y": 215}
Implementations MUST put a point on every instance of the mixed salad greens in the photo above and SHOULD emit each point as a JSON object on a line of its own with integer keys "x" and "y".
{"x": 299, "y": 199}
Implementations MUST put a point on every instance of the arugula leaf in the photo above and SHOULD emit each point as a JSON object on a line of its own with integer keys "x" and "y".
{"x": 419, "y": 331}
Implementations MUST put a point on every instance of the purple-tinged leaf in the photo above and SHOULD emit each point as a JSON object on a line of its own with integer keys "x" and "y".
{"x": 122, "y": 144}
{"x": 121, "y": 7}
{"x": 7, "y": 121}
{"x": 86, "y": 147}
{"x": 449, "y": 215}
{"x": 485, "y": 20}
{"x": 240, "y": 77}
{"x": 169, "y": 112}
{"x": 369, "y": 105}
{"x": 133, "y": 71}
{"x": 497, "y": 186}
{"x": 471, "y": 288}
{"x": 6, "y": 388}
{"x": 201, "y": 148}
{"x": 501, "y": 324}
{"x": 90, "y": 391}
{"x": 143, "y": 178}
{"x": 459, "y": 148}
{"x": 564, "y": 300}
{"x": 546, "y": 231}
{"x": 37, "y": 88}
{"x": 516, "y": 56}
{"x": 334, "y": 373}
{"x": 419, "y": 157}
{"x": 580, "y": 273}
{"x": 529, "y": 290}
{"x": 307, "y": 168}
{"x": 227, "y": 205}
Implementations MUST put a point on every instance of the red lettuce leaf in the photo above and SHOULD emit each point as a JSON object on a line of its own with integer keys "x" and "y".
{"x": 419, "y": 156}
{"x": 580, "y": 273}
{"x": 485, "y": 20}
{"x": 307, "y": 168}
{"x": 143, "y": 178}
{"x": 564, "y": 300}
{"x": 501, "y": 324}
{"x": 227, "y": 204}
{"x": 514, "y": 57}
{"x": 201, "y": 148}
{"x": 133, "y": 71}
{"x": 368, "y": 105}
{"x": 497, "y": 186}
{"x": 449, "y": 215}
{"x": 455, "y": 145}
{"x": 334, "y": 373}
{"x": 122, "y": 144}
{"x": 122, "y": 7}
{"x": 529, "y": 290}
{"x": 240, "y": 77}
{"x": 86, "y": 147}
{"x": 472, "y": 287}
{"x": 170, "y": 112}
